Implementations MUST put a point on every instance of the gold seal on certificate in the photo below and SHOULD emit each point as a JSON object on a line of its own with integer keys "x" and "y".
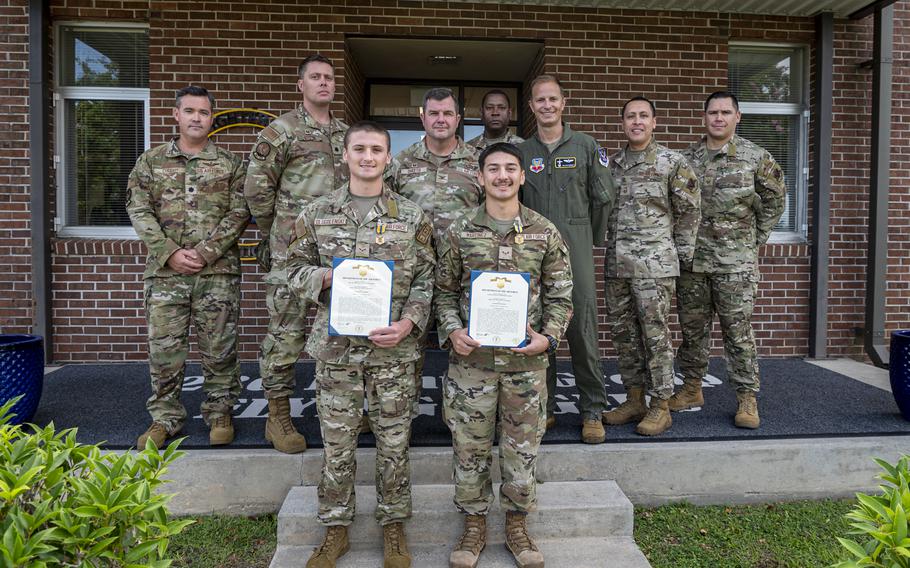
{"x": 361, "y": 295}
{"x": 499, "y": 308}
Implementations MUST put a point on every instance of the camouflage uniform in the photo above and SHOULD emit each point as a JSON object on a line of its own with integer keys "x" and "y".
{"x": 176, "y": 201}
{"x": 491, "y": 379}
{"x": 573, "y": 188}
{"x": 295, "y": 160}
{"x": 742, "y": 195}
{"x": 351, "y": 368}
{"x": 480, "y": 143}
{"x": 651, "y": 232}
{"x": 445, "y": 187}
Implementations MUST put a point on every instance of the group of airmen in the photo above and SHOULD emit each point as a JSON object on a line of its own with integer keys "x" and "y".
{"x": 689, "y": 223}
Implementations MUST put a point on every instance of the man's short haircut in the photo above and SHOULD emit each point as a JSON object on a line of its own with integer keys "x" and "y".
{"x": 545, "y": 79}
{"x": 301, "y": 69}
{"x": 722, "y": 95}
{"x": 368, "y": 126}
{"x": 639, "y": 98}
{"x": 483, "y": 102}
{"x": 194, "y": 91}
{"x": 504, "y": 147}
{"x": 439, "y": 94}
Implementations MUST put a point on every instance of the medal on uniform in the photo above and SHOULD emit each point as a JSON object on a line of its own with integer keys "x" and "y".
{"x": 519, "y": 228}
{"x": 380, "y": 229}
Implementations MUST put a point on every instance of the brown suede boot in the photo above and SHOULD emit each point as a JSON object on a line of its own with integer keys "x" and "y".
{"x": 334, "y": 546}
{"x": 473, "y": 540}
{"x": 280, "y": 431}
{"x": 747, "y": 412}
{"x": 657, "y": 419}
{"x": 689, "y": 396}
{"x": 365, "y": 426}
{"x": 395, "y": 547}
{"x": 222, "y": 431}
{"x": 592, "y": 431}
{"x": 157, "y": 433}
{"x": 519, "y": 543}
{"x": 632, "y": 410}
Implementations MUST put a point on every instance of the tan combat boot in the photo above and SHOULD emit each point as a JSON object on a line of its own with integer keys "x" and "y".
{"x": 632, "y": 410}
{"x": 365, "y": 426}
{"x": 519, "y": 543}
{"x": 222, "y": 431}
{"x": 689, "y": 396}
{"x": 747, "y": 412}
{"x": 157, "y": 433}
{"x": 280, "y": 431}
{"x": 657, "y": 419}
{"x": 473, "y": 539}
{"x": 334, "y": 546}
{"x": 395, "y": 547}
{"x": 592, "y": 431}
{"x": 551, "y": 422}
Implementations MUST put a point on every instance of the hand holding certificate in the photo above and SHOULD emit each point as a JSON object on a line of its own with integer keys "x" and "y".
{"x": 499, "y": 308}
{"x": 361, "y": 297}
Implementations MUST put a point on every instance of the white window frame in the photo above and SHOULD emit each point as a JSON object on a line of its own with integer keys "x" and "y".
{"x": 62, "y": 94}
{"x": 800, "y": 110}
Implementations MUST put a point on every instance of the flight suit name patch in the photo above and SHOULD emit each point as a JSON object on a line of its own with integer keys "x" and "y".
{"x": 565, "y": 163}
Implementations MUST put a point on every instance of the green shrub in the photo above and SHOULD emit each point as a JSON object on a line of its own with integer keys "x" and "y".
{"x": 880, "y": 522}
{"x": 63, "y": 503}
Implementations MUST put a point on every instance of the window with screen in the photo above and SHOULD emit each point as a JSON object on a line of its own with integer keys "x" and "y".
{"x": 102, "y": 116}
{"x": 770, "y": 83}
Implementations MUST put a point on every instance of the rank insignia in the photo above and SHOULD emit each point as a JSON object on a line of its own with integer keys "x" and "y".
{"x": 536, "y": 165}
{"x": 424, "y": 233}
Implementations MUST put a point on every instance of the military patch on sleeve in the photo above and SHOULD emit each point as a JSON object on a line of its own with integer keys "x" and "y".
{"x": 300, "y": 227}
{"x": 424, "y": 233}
{"x": 565, "y": 163}
{"x": 603, "y": 157}
{"x": 262, "y": 151}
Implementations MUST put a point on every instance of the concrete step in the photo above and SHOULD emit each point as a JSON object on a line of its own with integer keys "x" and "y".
{"x": 569, "y": 509}
{"x": 559, "y": 553}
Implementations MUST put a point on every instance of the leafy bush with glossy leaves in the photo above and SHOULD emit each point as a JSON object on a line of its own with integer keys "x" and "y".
{"x": 880, "y": 522}
{"x": 63, "y": 503}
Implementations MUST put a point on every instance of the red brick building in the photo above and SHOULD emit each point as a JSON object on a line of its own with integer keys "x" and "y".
{"x": 87, "y": 85}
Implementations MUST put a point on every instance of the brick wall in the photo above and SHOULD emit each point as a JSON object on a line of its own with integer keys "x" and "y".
{"x": 248, "y": 56}
{"x": 15, "y": 241}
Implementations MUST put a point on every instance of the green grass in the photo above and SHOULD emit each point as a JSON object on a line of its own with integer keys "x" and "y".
{"x": 780, "y": 535}
{"x": 226, "y": 542}
{"x": 791, "y": 535}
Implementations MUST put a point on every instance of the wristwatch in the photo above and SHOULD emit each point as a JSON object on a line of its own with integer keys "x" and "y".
{"x": 554, "y": 343}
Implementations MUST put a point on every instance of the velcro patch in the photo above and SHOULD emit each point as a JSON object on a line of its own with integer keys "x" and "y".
{"x": 403, "y": 227}
{"x": 603, "y": 157}
{"x": 476, "y": 235}
{"x": 535, "y": 236}
{"x": 412, "y": 171}
{"x": 262, "y": 151}
{"x": 270, "y": 134}
{"x": 332, "y": 221}
{"x": 300, "y": 227}
{"x": 424, "y": 233}
{"x": 565, "y": 163}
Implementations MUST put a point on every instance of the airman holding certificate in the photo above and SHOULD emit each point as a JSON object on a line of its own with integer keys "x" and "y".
{"x": 505, "y": 251}
{"x": 363, "y": 230}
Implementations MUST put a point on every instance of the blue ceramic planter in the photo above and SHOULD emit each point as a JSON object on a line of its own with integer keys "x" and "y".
{"x": 899, "y": 370}
{"x": 21, "y": 373}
